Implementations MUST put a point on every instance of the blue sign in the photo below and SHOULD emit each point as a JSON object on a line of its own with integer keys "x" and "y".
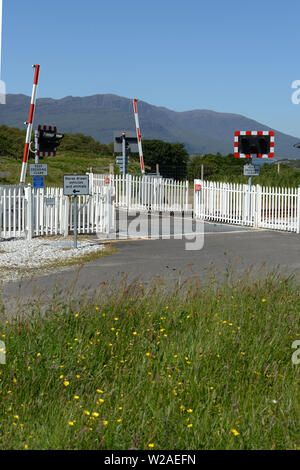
{"x": 38, "y": 182}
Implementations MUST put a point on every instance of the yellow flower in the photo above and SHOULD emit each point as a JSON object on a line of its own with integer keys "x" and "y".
{"x": 99, "y": 391}
{"x": 189, "y": 425}
{"x": 190, "y": 410}
{"x": 105, "y": 423}
{"x": 147, "y": 354}
{"x": 66, "y": 383}
{"x": 26, "y": 447}
{"x": 119, "y": 420}
{"x": 235, "y": 432}
{"x": 95, "y": 414}
{"x": 263, "y": 300}
{"x": 86, "y": 412}
{"x": 151, "y": 445}
{"x": 71, "y": 423}
{"x": 76, "y": 397}
{"x": 134, "y": 333}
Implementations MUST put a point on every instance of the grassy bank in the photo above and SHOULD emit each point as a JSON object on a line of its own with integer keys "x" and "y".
{"x": 199, "y": 368}
{"x": 67, "y": 162}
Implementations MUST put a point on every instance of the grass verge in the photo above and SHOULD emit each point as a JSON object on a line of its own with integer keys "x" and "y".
{"x": 202, "y": 367}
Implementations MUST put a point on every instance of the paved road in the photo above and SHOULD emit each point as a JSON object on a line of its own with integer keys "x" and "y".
{"x": 224, "y": 246}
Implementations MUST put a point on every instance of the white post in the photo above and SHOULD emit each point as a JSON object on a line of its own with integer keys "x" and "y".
{"x": 28, "y": 199}
{"x": 66, "y": 217}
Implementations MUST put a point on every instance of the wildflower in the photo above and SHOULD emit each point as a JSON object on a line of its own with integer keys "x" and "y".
{"x": 189, "y": 425}
{"x": 99, "y": 391}
{"x": 134, "y": 333}
{"x": 95, "y": 414}
{"x": 76, "y": 397}
{"x": 147, "y": 354}
{"x": 263, "y": 300}
{"x": 235, "y": 432}
{"x": 86, "y": 412}
{"x": 119, "y": 420}
{"x": 151, "y": 445}
{"x": 105, "y": 423}
{"x": 66, "y": 383}
{"x": 26, "y": 447}
{"x": 71, "y": 423}
{"x": 189, "y": 410}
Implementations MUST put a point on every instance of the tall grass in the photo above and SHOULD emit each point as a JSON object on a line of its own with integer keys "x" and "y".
{"x": 201, "y": 367}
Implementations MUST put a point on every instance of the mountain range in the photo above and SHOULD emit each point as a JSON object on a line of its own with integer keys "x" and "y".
{"x": 202, "y": 131}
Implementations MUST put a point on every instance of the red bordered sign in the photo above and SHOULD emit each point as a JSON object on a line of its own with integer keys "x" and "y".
{"x": 197, "y": 187}
{"x": 237, "y": 142}
{"x": 107, "y": 180}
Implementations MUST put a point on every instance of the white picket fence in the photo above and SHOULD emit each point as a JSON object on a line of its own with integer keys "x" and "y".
{"x": 26, "y": 212}
{"x": 145, "y": 192}
{"x": 260, "y": 207}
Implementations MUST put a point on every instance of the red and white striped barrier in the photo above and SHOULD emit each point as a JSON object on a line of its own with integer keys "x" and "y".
{"x": 249, "y": 155}
{"x": 30, "y": 124}
{"x": 137, "y": 124}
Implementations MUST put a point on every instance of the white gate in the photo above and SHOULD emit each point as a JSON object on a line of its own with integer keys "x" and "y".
{"x": 39, "y": 212}
{"x": 145, "y": 192}
{"x": 261, "y": 207}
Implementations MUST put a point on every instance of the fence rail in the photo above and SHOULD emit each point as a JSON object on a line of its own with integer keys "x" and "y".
{"x": 145, "y": 192}
{"x": 256, "y": 206}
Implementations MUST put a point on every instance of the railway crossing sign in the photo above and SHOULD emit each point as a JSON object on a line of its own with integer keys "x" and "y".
{"x": 251, "y": 170}
{"x": 38, "y": 169}
{"x": 38, "y": 182}
{"x": 76, "y": 185}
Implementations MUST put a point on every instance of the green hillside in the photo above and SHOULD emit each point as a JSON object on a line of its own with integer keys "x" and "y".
{"x": 76, "y": 154}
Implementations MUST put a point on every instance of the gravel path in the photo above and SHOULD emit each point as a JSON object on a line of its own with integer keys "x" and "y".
{"x": 20, "y": 258}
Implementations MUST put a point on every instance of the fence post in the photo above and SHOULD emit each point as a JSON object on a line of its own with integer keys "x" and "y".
{"x": 66, "y": 217}
{"x": 29, "y": 201}
{"x": 298, "y": 210}
{"x": 258, "y": 206}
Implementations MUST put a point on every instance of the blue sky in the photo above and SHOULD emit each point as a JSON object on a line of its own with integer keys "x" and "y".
{"x": 228, "y": 56}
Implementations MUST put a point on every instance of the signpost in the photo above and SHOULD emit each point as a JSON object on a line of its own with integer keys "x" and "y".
{"x": 76, "y": 185}
{"x": 248, "y": 144}
{"x": 125, "y": 142}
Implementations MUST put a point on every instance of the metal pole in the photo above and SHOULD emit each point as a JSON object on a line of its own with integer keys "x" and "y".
{"x": 124, "y": 152}
{"x": 30, "y": 124}
{"x": 250, "y": 185}
{"x": 75, "y": 222}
